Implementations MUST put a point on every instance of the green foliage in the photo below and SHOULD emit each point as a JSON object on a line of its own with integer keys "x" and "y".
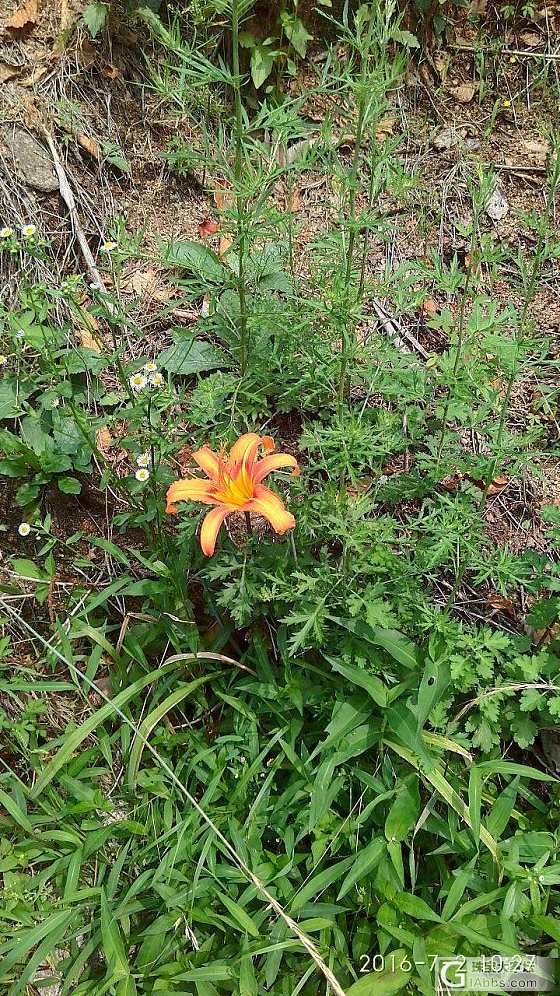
{"x": 339, "y": 725}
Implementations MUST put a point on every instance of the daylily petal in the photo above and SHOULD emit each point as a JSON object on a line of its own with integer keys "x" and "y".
{"x": 211, "y": 527}
{"x": 263, "y": 467}
{"x": 269, "y": 505}
{"x": 189, "y": 489}
{"x": 244, "y": 452}
{"x": 268, "y": 444}
{"x": 208, "y": 461}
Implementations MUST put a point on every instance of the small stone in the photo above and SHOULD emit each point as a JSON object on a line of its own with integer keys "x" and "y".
{"x": 447, "y": 138}
{"x": 32, "y": 161}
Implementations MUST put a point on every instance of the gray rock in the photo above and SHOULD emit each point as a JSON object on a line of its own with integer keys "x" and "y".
{"x": 31, "y": 159}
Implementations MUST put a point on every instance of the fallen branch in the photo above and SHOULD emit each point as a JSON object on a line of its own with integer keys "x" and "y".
{"x": 68, "y": 198}
{"x": 396, "y": 332}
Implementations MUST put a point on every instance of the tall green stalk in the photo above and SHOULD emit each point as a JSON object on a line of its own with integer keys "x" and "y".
{"x": 240, "y": 200}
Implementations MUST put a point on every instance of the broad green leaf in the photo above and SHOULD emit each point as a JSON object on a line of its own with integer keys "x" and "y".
{"x": 69, "y": 485}
{"x": 197, "y": 258}
{"x": 405, "y": 809}
{"x": 367, "y": 859}
{"x": 15, "y": 811}
{"x": 189, "y": 356}
{"x": 369, "y": 682}
{"x": 415, "y": 907}
{"x": 320, "y": 882}
{"x": 94, "y": 17}
{"x": 240, "y": 915}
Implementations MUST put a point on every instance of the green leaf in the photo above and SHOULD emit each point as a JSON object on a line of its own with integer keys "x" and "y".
{"x": 499, "y": 767}
{"x": 197, "y": 258}
{"x": 475, "y": 799}
{"x": 113, "y": 947}
{"x": 155, "y": 717}
{"x": 262, "y": 62}
{"x": 69, "y": 485}
{"x": 405, "y": 38}
{"x": 367, "y": 860}
{"x": 415, "y": 907}
{"x": 94, "y": 17}
{"x": 404, "y": 812}
{"x": 391, "y": 980}
{"x": 77, "y": 737}
{"x": 320, "y": 882}
{"x": 369, "y": 682}
{"x": 240, "y": 915}
{"x": 296, "y": 32}
{"x": 10, "y": 399}
{"x": 15, "y": 812}
{"x": 188, "y": 356}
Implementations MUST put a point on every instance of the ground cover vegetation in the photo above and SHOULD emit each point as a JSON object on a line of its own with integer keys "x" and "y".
{"x": 279, "y": 666}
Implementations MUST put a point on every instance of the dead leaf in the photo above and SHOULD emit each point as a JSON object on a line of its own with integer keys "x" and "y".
{"x": 103, "y": 439}
{"x": 90, "y": 145}
{"x": 25, "y": 17}
{"x": 88, "y": 340}
{"x": 140, "y": 282}
{"x": 497, "y": 205}
{"x": 498, "y": 601}
{"x": 110, "y": 72}
{"x": 463, "y": 94}
{"x": 385, "y": 128}
{"x": 530, "y": 38}
{"x": 223, "y": 199}
{"x": 429, "y": 307}
{"x": 207, "y": 227}
{"x": 7, "y": 72}
{"x": 293, "y": 200}
{"x": 498, "y": 484}
{"x": 441, "y": 64}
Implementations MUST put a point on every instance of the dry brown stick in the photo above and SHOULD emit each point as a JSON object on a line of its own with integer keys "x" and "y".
{"x": 524, "y": 53}
{"x": 68, "y": 198}
{"x": 392, "y": 328}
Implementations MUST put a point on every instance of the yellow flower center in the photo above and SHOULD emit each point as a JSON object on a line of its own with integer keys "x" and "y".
{"x": 234, "y": 490}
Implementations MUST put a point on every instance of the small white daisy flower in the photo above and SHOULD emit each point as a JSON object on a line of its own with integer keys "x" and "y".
{"x": 108, "y": 245}
{"x": 137, "y": 381}
{"x": 143, "y": 459}
{"x": 142, "y": 474}
{"x": 6, "y": 233}
{"x": 150, "y": 367}
{"x": 24, "y": 529}
{"x": 28, "y": 230}
{"x": 156, "y": 380}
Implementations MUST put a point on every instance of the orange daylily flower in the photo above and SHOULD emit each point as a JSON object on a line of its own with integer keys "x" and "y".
{"x": 234, "y": 485}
